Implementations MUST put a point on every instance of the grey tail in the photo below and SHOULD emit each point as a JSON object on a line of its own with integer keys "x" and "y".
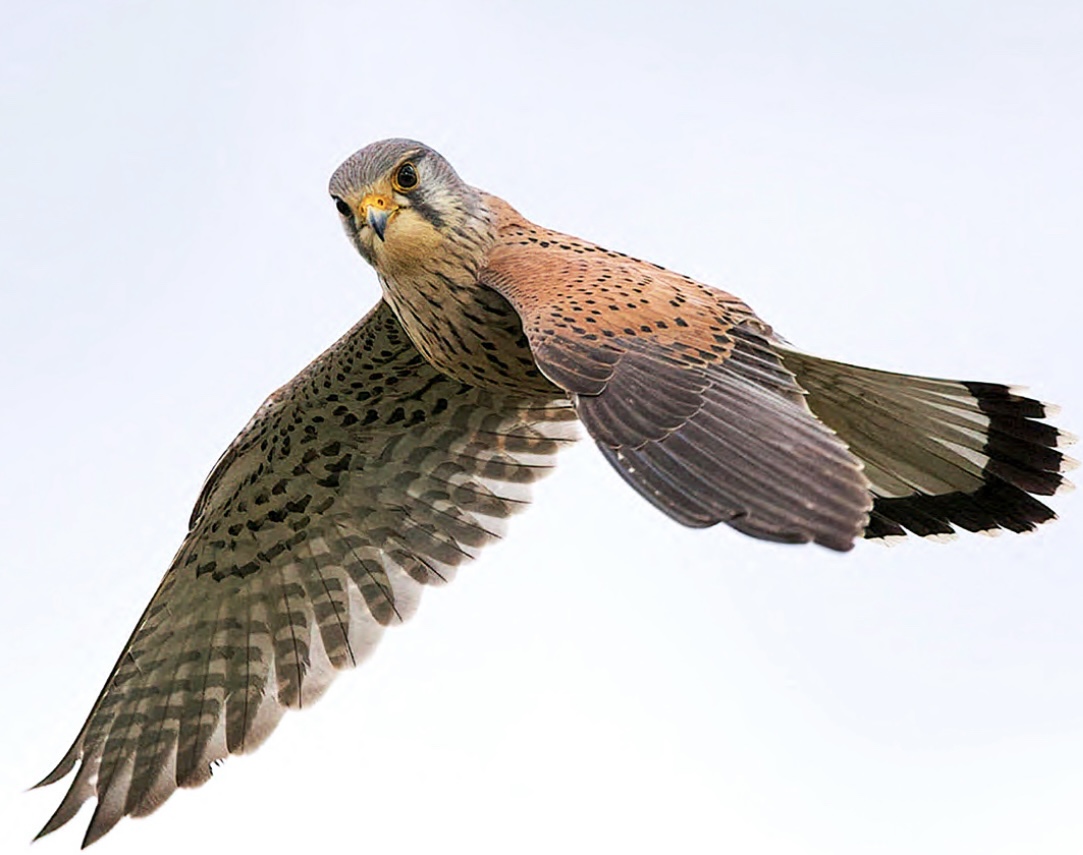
{"x": 940, "y": 454}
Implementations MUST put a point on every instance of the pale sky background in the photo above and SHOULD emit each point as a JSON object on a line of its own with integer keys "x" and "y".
{"x": 895, "y": 184}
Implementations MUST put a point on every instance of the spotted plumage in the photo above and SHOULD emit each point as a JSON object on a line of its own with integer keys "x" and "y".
{"x": 366, "y": 477}
{"x": 401, "y": 451}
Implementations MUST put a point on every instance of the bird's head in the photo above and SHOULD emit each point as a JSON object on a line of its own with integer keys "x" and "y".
{"x": 399, "y": 200}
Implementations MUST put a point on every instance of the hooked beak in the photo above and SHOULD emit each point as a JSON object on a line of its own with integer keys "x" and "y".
{"x": 377, "y": 210}
{"x": 378, "y": 221}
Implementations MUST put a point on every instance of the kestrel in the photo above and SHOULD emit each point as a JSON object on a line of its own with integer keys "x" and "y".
{"x": 398, "y": 453}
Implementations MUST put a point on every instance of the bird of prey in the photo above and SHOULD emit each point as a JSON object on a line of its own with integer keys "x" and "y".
{"x": 400, "y": 451}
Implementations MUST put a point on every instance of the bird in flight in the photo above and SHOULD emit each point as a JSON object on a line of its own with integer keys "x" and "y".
{"x": 401, "y": 451}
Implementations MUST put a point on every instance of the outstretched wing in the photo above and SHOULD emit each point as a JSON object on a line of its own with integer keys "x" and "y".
{"x": 364, "y": 478}
{"x": 680, "y": 386}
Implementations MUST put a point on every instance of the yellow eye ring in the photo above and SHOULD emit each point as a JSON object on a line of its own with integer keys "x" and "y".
{"x": 406, "y": 177}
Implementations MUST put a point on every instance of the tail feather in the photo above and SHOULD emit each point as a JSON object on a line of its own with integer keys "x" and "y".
{"x": 940, "y": 454}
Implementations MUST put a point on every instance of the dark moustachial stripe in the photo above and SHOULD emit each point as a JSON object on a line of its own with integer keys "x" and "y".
{"x": 427, "y": 210}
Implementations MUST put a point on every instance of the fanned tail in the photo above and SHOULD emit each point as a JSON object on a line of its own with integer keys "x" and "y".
{"x": 940, "y": 454}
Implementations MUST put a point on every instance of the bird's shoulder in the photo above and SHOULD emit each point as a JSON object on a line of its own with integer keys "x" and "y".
{"x": 565, "y": 285}
{"x": 585, "y": 304}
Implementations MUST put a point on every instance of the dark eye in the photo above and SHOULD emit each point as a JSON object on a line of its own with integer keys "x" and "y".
{"x": 406, "y": 177}
{"x": 343, "y": 208}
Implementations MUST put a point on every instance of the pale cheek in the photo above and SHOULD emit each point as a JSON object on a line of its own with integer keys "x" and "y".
{"x": 411, "y": 243}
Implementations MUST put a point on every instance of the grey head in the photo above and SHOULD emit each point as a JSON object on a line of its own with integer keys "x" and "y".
{"x": 400, "y": 190}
